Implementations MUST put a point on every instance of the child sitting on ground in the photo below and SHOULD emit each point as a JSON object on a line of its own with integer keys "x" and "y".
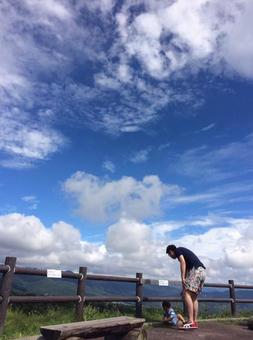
{"x": 170, "y": 317}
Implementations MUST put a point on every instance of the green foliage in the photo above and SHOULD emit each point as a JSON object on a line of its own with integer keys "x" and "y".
{"x": 24, "y": 320}
{"x": 20, "y": 323}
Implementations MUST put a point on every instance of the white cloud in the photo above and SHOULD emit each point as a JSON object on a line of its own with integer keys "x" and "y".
{"x": 26, "y": 134}
{"x": 218, "y": 196}
{"x": 27, "y": 238}
{"x": 237, "y": 47}
{"x": 141, "y": 156}
{"x": 173, "y": 35}
{"x": 47, "y": 8}
{"x": 228, "y": 161}
{"x": 224, "y": 249}
{"x": 130, "y": 246}
{"x": 35, "y": 237}
{"x": 147, "y": 51}
{"x": 31, "y": 200}
{"x": 164, "y": 146}
{"x": 128, "y": 237}
{"x": 103, "y": 200}
{"x": 102, "y": 5}
{"x": 109, "y": 166}
{"x": 208, "y": 127}
{"x": 26, "y": 141}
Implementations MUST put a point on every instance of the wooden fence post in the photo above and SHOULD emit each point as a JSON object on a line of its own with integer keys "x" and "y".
{"x": 5, "y": 289}
{"x": 81, "y": 293}
{"x": 232, "y": 296}
{"x": 139, "y": 294}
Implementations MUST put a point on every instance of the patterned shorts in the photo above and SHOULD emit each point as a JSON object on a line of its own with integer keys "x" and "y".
{"x": 195, "y": 279}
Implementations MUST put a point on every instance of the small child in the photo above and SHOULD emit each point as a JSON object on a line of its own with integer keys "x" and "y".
{"x": 170, "y": 317}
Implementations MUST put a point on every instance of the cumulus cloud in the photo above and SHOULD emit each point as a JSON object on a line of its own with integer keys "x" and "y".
{"x": 103, "y": 200}
{"x": 237, "y": 47}
{"x": 27, "y": 238}
{"x": 174, "y": 35}
{"x": 128, "y": 237}
{"x": 225, "y": 247}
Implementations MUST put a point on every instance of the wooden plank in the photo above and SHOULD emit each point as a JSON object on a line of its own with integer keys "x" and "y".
{"x": 95, "y": 328}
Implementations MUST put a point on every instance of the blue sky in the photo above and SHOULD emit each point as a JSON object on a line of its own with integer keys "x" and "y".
{"x": 124, "y": 127}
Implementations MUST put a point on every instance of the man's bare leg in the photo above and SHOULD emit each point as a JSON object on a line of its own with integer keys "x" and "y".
{"x": 189, "y": 305}
{"x": 195, "y": 306}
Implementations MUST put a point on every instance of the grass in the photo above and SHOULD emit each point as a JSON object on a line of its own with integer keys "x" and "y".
{"x": 21, "y": 323}
{"x": 27, "y": 321}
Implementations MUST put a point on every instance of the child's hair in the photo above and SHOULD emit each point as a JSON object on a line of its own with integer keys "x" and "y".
{"x": 166, "y": 304}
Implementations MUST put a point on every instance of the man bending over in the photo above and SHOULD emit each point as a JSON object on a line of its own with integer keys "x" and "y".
{"x": 193, "y": 275}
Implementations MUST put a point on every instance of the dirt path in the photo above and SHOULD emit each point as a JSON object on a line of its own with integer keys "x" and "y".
{"x": 207, "y": 330}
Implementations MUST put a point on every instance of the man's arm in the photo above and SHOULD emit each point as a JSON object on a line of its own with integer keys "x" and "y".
{"x": 182, "y": 269}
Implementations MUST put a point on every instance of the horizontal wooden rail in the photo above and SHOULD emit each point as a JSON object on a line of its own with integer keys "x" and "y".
{"x": 225, "y": 300}
{"x": 111, "y": 278}
{"x": 179, "y": 283}
{"x": 243, "y": 286}
{"x": 244, "y": 300}
{"x": 162, "y": 298}
{"x": 74, "y": 298}
{"x": 217, "y": 285}
{"x": 72, "y": 275}
{"x": 36, "y": 299}
{"x": 107, "y": 298}
{"x": 179, "y": 299}
{"x": 154, "y": 282}
{"x": 43, "y": 272}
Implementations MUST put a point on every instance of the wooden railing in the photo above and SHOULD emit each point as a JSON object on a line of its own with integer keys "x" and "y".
{"x": 9, "y": 269}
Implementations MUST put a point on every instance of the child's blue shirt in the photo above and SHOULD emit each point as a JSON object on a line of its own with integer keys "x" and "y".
{"x": 170, "y": 313}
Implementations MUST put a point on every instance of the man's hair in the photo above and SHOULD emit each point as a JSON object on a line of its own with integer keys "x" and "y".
{"x": 171, "y": 247}
{"x": 166, "y": 304}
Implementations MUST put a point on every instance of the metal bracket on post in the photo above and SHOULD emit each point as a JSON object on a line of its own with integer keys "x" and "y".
{"x": 5, "y": 289}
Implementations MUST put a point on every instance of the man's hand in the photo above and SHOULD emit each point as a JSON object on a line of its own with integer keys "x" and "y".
{"x": 183, "y": 287}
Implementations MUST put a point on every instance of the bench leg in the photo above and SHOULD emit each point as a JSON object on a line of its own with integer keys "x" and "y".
{"x": 134, "y": 334}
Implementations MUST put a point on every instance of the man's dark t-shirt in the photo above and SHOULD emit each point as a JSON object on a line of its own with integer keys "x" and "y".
{"x": 191, "y": 259}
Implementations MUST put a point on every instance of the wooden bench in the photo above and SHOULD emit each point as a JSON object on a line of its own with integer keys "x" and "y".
{"x": 118, "y": 328}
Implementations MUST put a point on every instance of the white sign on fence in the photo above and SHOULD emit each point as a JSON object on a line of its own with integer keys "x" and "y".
{"x": 53, "y": 273}
{"x": 163, "y": 282}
